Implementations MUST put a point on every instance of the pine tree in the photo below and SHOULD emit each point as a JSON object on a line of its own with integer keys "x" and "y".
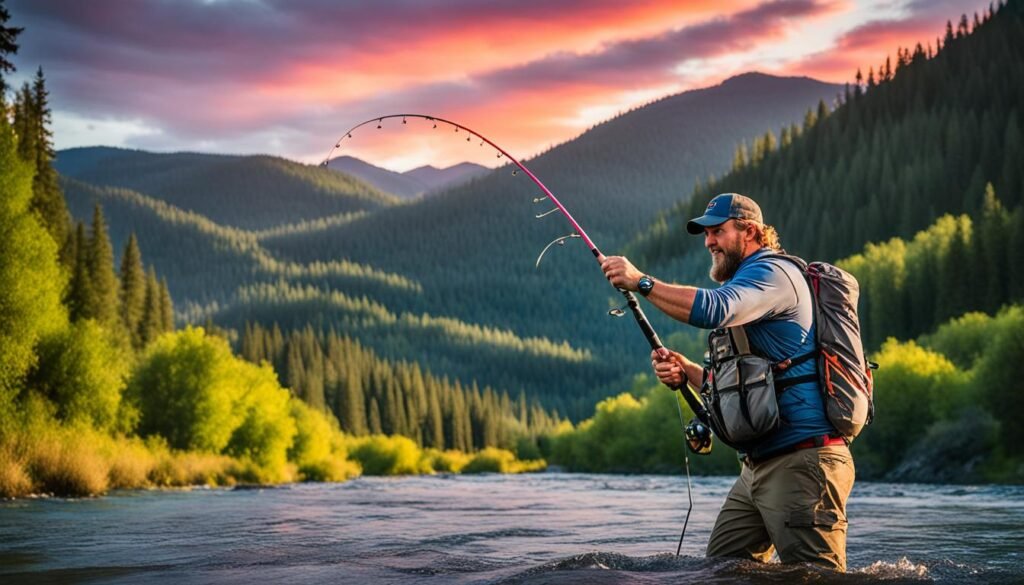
{"x": 991, "y": 237}
{"x": 80, "y": 299}
{"x": 151, "y": 323}
{"x": 102, "y": 279}
{"x": 133, "y": 290}
{"x": 434, "y": 424}
{"x": 166, "y": 308}
{"x": 375, "y": 423}
{"x": 353, "y": 409}
{"x": 47, "y": 198}
{"x": 8, "y": 46}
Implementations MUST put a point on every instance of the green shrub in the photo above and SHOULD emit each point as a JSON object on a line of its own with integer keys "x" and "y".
{"x": 494, "y": 460}
{"x": 83, "y": 373}
{"x": 187, "y": 390}
{"x": 382, "y": 455}
{"x": 450, "y": 461}
{"x": 267, "y": 430}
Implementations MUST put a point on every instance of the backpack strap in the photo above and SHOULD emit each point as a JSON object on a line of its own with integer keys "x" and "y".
{"x": 739, "y": 339}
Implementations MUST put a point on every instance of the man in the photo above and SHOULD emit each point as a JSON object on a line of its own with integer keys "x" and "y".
{"x": 792, "y": 490}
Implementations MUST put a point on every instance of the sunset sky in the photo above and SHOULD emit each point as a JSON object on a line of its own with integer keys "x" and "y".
{"x": 288, "y": 77}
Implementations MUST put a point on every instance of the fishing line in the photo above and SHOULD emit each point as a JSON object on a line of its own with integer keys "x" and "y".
{"x": 684, "y": 392}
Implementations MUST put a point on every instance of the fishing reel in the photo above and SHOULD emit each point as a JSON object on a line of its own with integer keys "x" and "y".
{"x": 698, "y": 437}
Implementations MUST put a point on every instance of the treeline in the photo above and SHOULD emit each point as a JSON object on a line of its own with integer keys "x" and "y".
{"x": 370, "y": 395}
{"x": 947, "y": 409}
{"x": 920, "y": 137}
{"x": 955, "y": 266}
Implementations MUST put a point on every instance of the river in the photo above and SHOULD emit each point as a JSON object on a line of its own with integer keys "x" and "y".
{"x": 539, "y": 528}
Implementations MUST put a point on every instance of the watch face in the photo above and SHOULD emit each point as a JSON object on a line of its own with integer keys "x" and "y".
{"x": 645, "y": 284}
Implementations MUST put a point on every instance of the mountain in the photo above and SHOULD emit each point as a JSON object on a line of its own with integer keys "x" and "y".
{"x": 397, "y": 184}
{"x": 252, "y": 192}
{"x": 436, "y": 179}
{"x": 410, "y": 184}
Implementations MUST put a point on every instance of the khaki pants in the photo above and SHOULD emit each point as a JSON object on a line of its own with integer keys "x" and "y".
{"x": 795, "y": 503}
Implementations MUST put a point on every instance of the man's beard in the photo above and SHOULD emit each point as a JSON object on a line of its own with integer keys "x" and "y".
{"x": 725, "y": 265}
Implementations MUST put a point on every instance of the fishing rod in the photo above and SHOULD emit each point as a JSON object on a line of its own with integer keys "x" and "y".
{"x": 683, "y": 391}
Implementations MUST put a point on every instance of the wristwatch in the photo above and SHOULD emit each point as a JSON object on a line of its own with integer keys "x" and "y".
{"x": 645, "y": 285}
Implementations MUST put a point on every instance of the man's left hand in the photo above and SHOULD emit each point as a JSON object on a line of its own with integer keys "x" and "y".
{"x": 621, "y": 272}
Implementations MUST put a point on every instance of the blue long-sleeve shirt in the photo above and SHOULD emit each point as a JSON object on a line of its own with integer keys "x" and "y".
{"x": 771, "y": 299}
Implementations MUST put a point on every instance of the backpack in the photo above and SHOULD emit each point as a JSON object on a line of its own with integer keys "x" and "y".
{"x": 844, "y": 374}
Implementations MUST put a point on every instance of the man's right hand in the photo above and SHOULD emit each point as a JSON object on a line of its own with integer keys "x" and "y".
{"x": 668, "y": 366}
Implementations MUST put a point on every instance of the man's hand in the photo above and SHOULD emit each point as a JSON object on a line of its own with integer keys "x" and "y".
{"x": 668, "y": 366}
{"x": 621, "y": 272}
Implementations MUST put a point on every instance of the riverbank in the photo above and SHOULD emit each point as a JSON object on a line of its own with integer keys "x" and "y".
{"x": 82, "y": 462}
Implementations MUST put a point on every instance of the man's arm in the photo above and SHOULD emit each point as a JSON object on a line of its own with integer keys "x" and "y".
{"x": 747, "y": 297}
{"x": 675, "y": 300}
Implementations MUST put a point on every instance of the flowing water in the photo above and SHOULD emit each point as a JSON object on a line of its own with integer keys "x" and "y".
{"x": 541, "y": 528}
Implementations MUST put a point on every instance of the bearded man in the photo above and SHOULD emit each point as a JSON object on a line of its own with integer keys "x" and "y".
{"x": 791, "y": 494}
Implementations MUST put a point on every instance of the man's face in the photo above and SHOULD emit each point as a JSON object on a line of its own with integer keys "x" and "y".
{"x": 725, "y": 243}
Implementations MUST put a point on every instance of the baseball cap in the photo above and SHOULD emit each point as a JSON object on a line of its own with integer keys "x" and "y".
{"x": 723, "y": 208}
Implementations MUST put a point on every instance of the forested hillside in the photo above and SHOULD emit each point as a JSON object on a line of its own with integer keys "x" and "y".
{"x": 252, "y": 192}
{"x": 206, "y": 261}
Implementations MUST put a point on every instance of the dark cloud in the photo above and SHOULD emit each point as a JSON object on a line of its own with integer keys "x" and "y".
{"x": 639, "y": 60}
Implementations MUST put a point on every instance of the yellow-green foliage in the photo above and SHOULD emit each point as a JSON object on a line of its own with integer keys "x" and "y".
{"x": 267, "y": 430}
{"x": 382, "y": 455}
{"x": 187, "y": 391}
{"x": 449, "y": 461}
{"x": 494, "y": 460}
{"x": 630, "y": 434}
{"x": 30, "y": 280}
{"x": 83, "y": 372}
{"x": 192, "y": 391}
{"x": 319, "y": 447}
{"x": 913, "y": 388}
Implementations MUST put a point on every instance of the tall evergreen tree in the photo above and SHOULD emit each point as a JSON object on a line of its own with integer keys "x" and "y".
{"x": 353, "y": 408}
{"x": 133, "y": 290}
{"x": 47, "y": 198}
{"x": 80, "y": 299}
{"x": 8, "y": 46}
{"x": 103, "y": 280}
{"x": 151, "y": 324}
{"x": 166, "y": 307}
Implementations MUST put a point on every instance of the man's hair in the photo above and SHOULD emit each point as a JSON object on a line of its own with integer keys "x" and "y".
{"x": 766, "y": 235}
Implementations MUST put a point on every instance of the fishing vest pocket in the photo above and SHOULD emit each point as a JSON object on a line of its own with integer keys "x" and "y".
{"x": 739, "y": 389}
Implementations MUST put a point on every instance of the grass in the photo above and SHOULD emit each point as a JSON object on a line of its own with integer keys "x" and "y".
{"x": 78, "y": 461}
